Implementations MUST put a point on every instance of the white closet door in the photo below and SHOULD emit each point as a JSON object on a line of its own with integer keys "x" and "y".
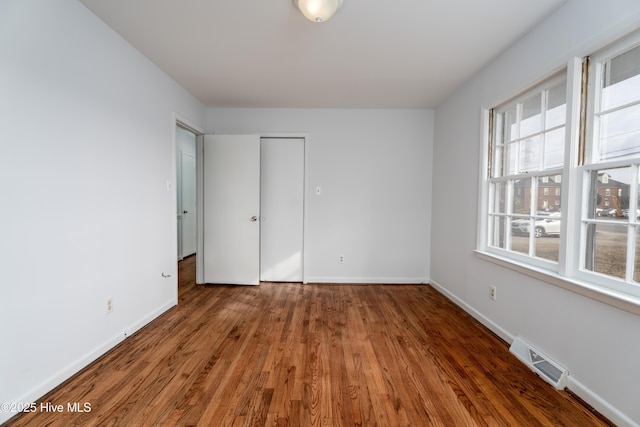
{"x": 231, "y": 193}
{"x": 282, "y": 209}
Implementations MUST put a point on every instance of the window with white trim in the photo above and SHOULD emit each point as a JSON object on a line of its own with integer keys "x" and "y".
{"x": 610, "y": 241}
{"x": 527, "y": 158}
{"x": 528, "y": 173}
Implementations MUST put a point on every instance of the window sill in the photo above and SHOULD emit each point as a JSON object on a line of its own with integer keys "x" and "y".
{"x": 605, "y": 295}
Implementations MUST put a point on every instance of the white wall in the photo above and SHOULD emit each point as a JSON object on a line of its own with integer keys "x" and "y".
{"x": 86, "y": 149}
{"x": 596, "y": 342}
{"x": 374, "y": 168}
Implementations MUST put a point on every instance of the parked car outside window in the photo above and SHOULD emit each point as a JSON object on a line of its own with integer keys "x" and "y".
{"x": 548, "y": 226}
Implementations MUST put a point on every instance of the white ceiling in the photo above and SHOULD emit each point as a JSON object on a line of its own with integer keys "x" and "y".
{"x": 371, "y": 54}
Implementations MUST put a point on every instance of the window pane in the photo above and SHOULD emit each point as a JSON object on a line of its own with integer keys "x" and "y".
{"x": 519, "y": 240}
{"x": 554, "y": 149}
{"x": 597, "y": 205}
{"x": 620, "y": 133}
{"x": 521, "y": 197}
{"x": 511, "y": 167}
{"x": 607, "y": 249}
{"x": 498, "y": 162}
{"x": 548, "y": 194}
{"x": 498, "y": 123}
{"x": 532, "y": 130}
{"x": 556, "y": 106}
{"x": 621, "y": 82}
{"x": 498, "y": 238}
{"x": 499, "y": 198}
{"x": 547, "y": 245}
{"x": 531, "y": 117}
{"x": 510, "y": 125}
{"x": 622, "y": 93}
{"x": 610, "y": 193}
{"x": 530, "y": 152}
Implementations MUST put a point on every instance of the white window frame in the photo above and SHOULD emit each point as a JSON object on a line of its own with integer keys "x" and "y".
{"x": 486, "y": 196}
{"x": 569, "y": 273}
{"x": 593, "y": 163}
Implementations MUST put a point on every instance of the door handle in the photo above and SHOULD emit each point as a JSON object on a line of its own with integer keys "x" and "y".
{"x": 185, "y": 212}
{"x": 254, "y": 218}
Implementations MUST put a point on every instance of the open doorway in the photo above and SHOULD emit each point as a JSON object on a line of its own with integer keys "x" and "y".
{"x": 186, "y": 191}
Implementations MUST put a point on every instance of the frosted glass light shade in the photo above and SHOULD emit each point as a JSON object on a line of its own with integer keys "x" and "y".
{"x": 318, "y": 10}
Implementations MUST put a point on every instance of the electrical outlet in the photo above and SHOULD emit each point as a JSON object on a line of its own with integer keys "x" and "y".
{"x": 492, "y": 292}
{"x": 340, "y": 259}
{"x": 109, "y": 306}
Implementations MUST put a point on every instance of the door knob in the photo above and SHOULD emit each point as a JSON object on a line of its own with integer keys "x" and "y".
{"x": 185, "y": 212}
{"x": 254, "y": 218}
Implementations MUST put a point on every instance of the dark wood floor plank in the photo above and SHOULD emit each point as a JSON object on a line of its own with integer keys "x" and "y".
{"x": 285, "y": 354}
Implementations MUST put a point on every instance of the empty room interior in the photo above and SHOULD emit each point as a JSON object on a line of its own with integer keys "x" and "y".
{"x": 306, "y": 212}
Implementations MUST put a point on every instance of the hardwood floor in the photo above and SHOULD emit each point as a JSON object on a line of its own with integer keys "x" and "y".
{"x": 311, "y": 355}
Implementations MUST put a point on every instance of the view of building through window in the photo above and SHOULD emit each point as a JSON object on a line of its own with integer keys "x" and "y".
{"x": 528, "y": 174}
{"x": 611, "y": 228}
{"x": 528, "y": 157}
{"x": 606, "y": 251}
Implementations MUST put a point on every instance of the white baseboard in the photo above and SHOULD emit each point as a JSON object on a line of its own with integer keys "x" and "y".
{"x": 150, "y": 317}
{"x": 373, "y": 280}
{"x": 64, "y": 374}
{"x": 599, "y": 404}
{"x": 586, "y": 394}
{"x": 84, "y": 361}
{"x": 494, "y": 327}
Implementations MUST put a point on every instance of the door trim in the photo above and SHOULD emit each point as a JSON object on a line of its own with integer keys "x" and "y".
{"x": 200, "y": 209}
{"x": 179, "y": 120}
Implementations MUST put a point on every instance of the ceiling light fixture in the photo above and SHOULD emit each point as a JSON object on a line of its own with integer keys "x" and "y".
{"x": 318, "y": 10}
